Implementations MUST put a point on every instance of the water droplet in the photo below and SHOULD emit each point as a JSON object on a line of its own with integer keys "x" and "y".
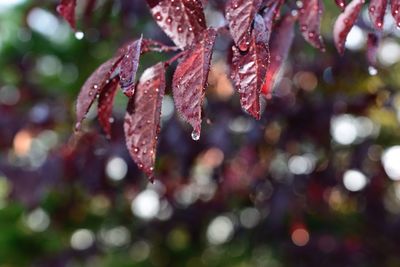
{"x": 195, "y": 135}
{"x": 158, "y": 16}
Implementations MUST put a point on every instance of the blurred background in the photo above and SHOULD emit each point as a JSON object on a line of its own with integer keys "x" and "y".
{"x": 315, "y": 182}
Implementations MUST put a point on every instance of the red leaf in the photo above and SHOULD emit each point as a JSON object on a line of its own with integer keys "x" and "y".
{"x": 395, "y": 8}
{"x": 190, "y": 80}
{"x": 240, "y": 16}
{"x": 142, "y": 120}
{"x": 129, "y": 66}
{"x": 376, "y": 11}
{"x": 310, "y": 22}
{"x": 341, "y": 4}
{"x": 105, "y": 105}
{"x": 372, "y": 48}
{"x": 269, "y": 15}
{"x": 345, "y": 22}
{"x": 66, "y": 9}
{"x": 181, "y": 20}
{"x": 93, "y": 86}
{"x": 280, "y": 44}
{"x": 249, "y": 69}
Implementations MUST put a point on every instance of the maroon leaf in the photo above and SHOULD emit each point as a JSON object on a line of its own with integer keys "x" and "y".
{"x": 376, "y": 11}
{"x": 395, "y": 8}
{"x": 66, "y": 9}
{"x": 269, "y": 15}
{"x": 92, "y": 87}
{"x": 181, "y": 20}
{"x": 341, "y": 4}
{"x": 249, "y": 69}
{"x": 105, "y": 105}
{"x": 281, "y": 41}
{"x": 345, "y": 22}
{"x": 372, "y": 48}
{"x": 129, "y": 66}
{"x": 240, "y": 16}
{"x": 190, "y": 80}
{"x": 310, "y": 22}
{"x": 142, "y": 120}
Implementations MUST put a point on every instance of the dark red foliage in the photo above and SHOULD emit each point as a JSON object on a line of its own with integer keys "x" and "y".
{"x": 376, "y": 11}
{"x": 310, "y": 22}
{"x": 395, "y": 8}
{"x": 142, "y": 119}
{"x": 129, "y": 66}
{"x": 280, "y": 44}
{"x": 66, "y": 9}
{"x": 181, "y": 20}
{"x": 93, "y": 86}
{"x": 262, "y": 41}
{"x": 249, "y": 69}
{"x": 345, "y": 22}
{"x": 190, "y": 80}
{"x": 105, "y": 105}
{"x": 270, "y": 13}
{"x": 372, "y": 48}
{"x": 341, "y": 4}
{"x": 240, "y": 15}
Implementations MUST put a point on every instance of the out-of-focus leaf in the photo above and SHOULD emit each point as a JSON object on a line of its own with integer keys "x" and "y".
{"x": 281, "y": 41}
{"x": 181, "y": 20}
{"x": 240, "y": 15}
{"x": 395, "y": 8}
{"x": 66, "y": 9}
{"x": 142, "y": 120}
{"x": 190, "y": 80}
{"x": 310, "y": 22}
{"x": 372, "y": 48}
{"x": 345, "y": 22}
{"x": 270, "y": 13}
{"x": 376, "y": 11}
{"x": 249, "y": 69}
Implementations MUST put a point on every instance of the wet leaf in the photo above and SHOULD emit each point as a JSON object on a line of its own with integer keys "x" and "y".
{"x": 190, "y": 80}
{"x": 181, "y": 20}
{"x": 66, "y": 9}
{"x": 249, "y": 69}
{"x": 142, "y": 120}
{"x": 376, "y": 11}
{"x": 240, "y": 16}
{"x": 93, "y": 86}
{"x": 310, "y": 22}
{"x": 395, "y": 8}
{"x": 345, "y": 22}
{"x": 129, "y": 66}
{"x": 281, "y": 41}
{"x": 270, "y": 13}
{"x": 105, "y": 105}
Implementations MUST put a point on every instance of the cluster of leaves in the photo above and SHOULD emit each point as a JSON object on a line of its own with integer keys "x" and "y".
{"x": 262, "y": 32}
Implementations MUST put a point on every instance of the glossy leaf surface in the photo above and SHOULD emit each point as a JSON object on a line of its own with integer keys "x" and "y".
{"x": 249, "y": 69}
{"x": 240, "y": 15}
{"x": 190, "y": 80}
{"x": 181, "y": 20}
{"x": 142, "y": 119}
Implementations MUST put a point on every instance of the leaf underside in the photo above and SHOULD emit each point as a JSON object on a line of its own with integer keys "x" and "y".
{"x": 66, "y": 9}
{"x": 105, "y": 105}
{"x": 376, "y": 10}
{"x": 310, "y": 22}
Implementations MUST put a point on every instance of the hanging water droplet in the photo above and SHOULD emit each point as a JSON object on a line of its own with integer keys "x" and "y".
{"x": 372, "y": 71}
{"x": 195, "y": 135}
